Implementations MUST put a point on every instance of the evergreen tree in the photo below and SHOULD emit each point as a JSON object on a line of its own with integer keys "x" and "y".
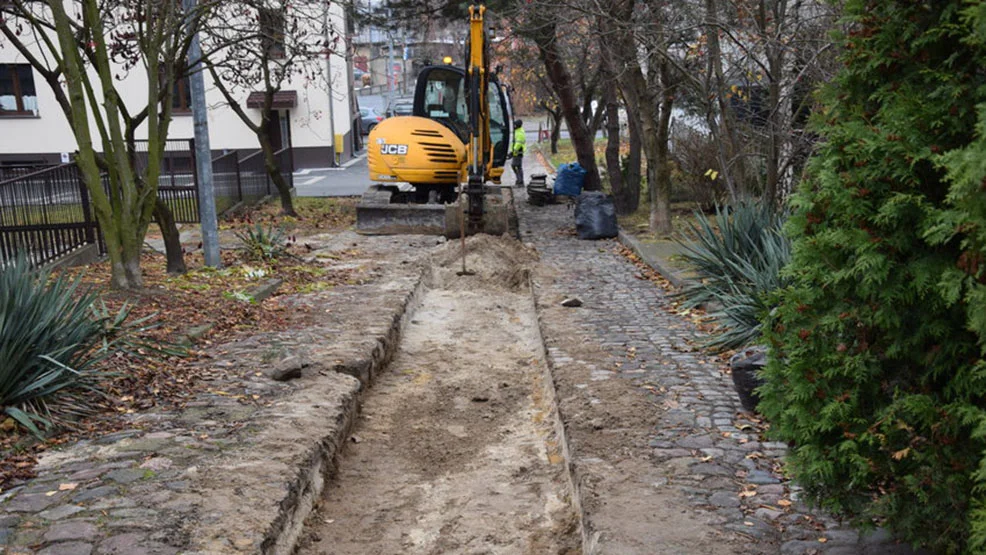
{"x": 877, "y": 373}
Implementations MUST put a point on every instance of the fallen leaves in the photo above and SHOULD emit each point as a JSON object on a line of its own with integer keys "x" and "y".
{"x": 180, "y": 304}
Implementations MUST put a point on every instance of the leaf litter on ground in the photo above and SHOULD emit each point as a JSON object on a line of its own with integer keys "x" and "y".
{"x": 138, "y": 382}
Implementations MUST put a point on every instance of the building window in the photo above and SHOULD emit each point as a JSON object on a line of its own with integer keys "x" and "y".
{"x": 17, "y": 94}
{"x": 272, "y": 33}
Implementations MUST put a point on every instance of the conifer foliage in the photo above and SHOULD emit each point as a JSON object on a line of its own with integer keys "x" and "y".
{"x": 877, "y": 374}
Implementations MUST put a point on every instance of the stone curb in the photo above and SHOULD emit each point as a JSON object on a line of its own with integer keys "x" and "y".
{"x": 200, "y": 485}
{"x": 320, "y": 459}
{"x": 633, "y": 244}
{"x": 545, "y": 160}
{"x": 265, "y": 290}
{"x": 79, "y": 257}
{"x": 551, "y": 394}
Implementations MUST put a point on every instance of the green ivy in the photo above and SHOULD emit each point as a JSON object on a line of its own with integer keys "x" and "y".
{"x": 877, "y": 375}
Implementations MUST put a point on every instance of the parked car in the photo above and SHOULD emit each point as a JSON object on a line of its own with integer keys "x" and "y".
{"x": 368, "y": 119}
{"x": 400, "y": 106}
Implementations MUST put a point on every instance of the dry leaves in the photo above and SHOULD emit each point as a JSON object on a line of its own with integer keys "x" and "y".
{"x": 201, "y": 298}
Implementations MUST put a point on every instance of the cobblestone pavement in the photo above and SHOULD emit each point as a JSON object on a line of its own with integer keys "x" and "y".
{"x": 223, "y": 474}
{"x": 698, "y": 449}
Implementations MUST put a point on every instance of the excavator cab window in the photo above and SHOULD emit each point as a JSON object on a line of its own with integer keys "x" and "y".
{"x": 440, "y": 96}
{"x": 499, "y": 123}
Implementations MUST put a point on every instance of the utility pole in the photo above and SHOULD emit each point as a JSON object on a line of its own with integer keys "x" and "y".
{"x": 390, "y": 66}
{"x": 404, "y": 60}
{"x": 328, "y": 80}
{"x": 203, "y": 153}
{"x": 390, "y": 58}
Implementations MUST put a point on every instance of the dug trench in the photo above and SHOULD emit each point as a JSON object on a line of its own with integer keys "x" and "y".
{"x": 458, "y": 446}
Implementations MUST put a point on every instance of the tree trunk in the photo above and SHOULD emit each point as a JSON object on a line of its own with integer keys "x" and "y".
{"x": 724, "y": 128}
{"x": 660, "y": 215}
{"x": 613, "y": 169}
{"x": 660, "y": 210}
{"x": 555, "y": 131}
{"x": 632, "y": 177}
{"x": 775, "y": 62}
{"x": 641, "y": 101}
{"x": 561, "y": 82}
{"x": 172, "y": 238}
{"x": 274, "y": 173}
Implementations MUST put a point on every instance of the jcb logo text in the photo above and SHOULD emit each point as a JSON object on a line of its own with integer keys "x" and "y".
{"x": 393, "y": 149}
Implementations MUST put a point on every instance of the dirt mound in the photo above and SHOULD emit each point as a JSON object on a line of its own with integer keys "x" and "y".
{"x": 498, "y": 261}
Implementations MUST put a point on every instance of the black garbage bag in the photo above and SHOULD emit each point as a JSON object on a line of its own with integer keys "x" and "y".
{"x": 746, "y": 366}
{"x": 595, "y": 216}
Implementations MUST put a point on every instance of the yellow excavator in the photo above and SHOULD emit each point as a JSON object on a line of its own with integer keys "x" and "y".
{"x": 430, "y": 169}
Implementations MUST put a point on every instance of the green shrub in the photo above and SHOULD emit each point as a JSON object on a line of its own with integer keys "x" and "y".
{"x": 52, "y": 335}
{"x": 737, "y": 257}
{"x": 876, "y": 373}
{"x": 45, "y": 334}
{"x": 264, "y": 243}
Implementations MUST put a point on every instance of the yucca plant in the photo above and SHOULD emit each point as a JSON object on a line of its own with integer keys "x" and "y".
{"x": 52, "y": 335}
{"x": 737, "y": 257}
{"x": 46, "y": 331}
{"x": 264, "y": 243}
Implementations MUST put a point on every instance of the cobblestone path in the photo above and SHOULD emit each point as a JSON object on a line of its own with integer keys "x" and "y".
{"x": 666, "y": 459}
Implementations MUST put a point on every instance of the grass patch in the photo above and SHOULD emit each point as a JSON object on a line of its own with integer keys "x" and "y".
{"x": 315, "y": 215}
{"x": 566, "y": 152}
{"x": 42, "y": 214}
{"x": 682, "y": 218}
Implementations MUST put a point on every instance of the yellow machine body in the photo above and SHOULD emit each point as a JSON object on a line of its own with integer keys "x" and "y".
{"x": 415, "y": 150}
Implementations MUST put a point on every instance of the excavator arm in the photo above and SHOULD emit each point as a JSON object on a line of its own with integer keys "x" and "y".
{"x": 480, "y": 149}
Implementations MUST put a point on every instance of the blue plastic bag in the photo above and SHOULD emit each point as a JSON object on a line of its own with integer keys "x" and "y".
{"x": 569, "y": 179}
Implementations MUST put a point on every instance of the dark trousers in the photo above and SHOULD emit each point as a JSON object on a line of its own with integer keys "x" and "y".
{"x": 518, "y": 165}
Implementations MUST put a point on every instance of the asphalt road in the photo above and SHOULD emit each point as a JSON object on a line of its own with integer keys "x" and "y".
{"x": 350, "y": 180}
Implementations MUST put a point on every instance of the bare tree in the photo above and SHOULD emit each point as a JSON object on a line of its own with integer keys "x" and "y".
{"x": 82, "y": 48}
{"x": 748, "y": 65}
{"x": 764, "y": 59}
{"x": 264, "y": 46}
{"x": 637, "y": 44}
{"x": 538, "y": 21}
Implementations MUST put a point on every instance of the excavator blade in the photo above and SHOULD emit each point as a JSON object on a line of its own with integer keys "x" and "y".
{"x": 378, "y": 214}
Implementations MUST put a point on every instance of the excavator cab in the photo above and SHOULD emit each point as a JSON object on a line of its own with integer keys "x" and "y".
{"x": 440, "y": 95}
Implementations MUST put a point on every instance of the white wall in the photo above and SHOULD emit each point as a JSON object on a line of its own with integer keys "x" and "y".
{"x": 310, "y": 126}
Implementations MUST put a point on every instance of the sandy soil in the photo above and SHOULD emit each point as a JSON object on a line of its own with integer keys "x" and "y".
{"x": 455, "y": 449}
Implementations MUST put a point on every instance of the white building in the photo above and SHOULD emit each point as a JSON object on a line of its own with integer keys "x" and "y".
{"x": 33, "y": 128}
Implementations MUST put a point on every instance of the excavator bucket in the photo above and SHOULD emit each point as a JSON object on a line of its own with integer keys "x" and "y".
{"x": 382, "y": 212}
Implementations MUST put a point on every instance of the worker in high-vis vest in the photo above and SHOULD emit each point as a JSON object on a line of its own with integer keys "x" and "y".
{"x": 517, "y": 151}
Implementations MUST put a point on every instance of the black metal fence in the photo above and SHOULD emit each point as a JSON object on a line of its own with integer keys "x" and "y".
{"x": 177, "y": 182}
{"x": 285, "y": 162}
{"x": 253, "y": 175}
{"x": 10, "y": 172}
{"x": 46, "y": 212}
{"x": 227, "y": 181}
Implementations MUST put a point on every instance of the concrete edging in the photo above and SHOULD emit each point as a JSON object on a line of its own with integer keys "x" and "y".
{"x": 81, "y": 256}
{"x": 633, "y": 244}
{"x": 551, "y": 392}
{"x": 321, "y": 461}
